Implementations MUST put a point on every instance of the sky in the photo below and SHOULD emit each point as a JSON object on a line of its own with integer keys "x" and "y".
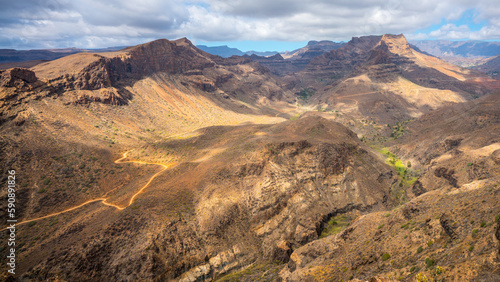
{"x": 260, "y": 25}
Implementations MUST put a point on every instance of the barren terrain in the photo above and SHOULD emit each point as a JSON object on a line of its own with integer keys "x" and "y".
{"x": 161, "y": 162}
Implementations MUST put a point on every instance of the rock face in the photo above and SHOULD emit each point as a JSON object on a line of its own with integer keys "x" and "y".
{"x": 297, "y": 60}
{"x": 16, "y": 77}
{"x": 401, "y": 245}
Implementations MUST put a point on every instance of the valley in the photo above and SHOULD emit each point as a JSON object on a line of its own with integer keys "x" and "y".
{"x": 362, "y": 161}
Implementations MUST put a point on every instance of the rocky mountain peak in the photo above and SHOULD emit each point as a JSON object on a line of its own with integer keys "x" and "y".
{"x": 397, "y": 44}
{"x": 164, "y": 55}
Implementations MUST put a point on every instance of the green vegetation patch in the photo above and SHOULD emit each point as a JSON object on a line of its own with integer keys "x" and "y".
{"x": 406, "y": 176}
{"x": 399, "y": 129}
{"x": 429, "y": 262}
{"x": 385, "y": 256}
{"x": 295, "y": 117}
{"x": 335, "y": 225}
{"x": 305, "y": 94}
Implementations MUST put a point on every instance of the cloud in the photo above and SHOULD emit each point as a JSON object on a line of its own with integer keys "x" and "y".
{"x": 451, "y": 31}
{"x": 93, "y": 23}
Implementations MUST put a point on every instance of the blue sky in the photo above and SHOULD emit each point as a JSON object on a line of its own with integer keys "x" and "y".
{"x": 259, "y": 25}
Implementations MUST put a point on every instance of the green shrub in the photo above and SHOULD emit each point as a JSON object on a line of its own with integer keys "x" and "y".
{"x": 305, "y": 93}
{"x": 471, "y": 248}
{"x": 483, "y": 224}
{"x": 419, "y": 250}
{"x": 429, "y": 262}
{"x": 497, "y": 218}
{"x": 385, "y": 256}
{"x": 474, "y": 233}
{"x": 430, "y": 243}
{"x": 380, "y": 226}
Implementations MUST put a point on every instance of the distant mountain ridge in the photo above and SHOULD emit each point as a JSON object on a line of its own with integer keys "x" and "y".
{"x": 444, "y": 48}
{"x": 12, "y": 56}
{"x": 313, "y": 49}
{"x": 226, "y": 51}
{"x": 223, "y": 51}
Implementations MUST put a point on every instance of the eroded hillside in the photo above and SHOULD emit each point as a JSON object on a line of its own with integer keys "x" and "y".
{"x": 163, "y": 162}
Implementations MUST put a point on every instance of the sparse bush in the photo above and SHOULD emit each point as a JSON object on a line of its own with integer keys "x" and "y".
{"x": 474, "y": 233}
{"x": 483, "y": 224}
{"x": 439, "y": 270}
{"x": 380, "y": 226}
{"x": 429, "y": 262}
{"x": 430, "y": 243}
{"x": 419, "y": 250}
{"x": 414, "y": 269}
{"x": 305, "y": 93}
{"x": 385, "y": 256}
{"x": 497, "y": 218}
{"x": 42, "y": 190}
{"x": 471, "y": 248}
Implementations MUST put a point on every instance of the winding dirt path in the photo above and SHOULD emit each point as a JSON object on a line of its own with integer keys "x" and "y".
{"x": 104, "y": 199}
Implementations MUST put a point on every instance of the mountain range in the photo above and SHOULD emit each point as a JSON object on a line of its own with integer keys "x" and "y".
{"x": 368, "y": 160}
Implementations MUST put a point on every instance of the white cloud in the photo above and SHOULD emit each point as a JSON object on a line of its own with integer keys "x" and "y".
{"x": 451, "y": 31}
{"x": 93, "y": 23}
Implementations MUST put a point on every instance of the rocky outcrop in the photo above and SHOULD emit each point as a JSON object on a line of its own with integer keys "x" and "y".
{"x": 399, "y": 246}
{"x": 161, "y": 55}
{"x": 446, "y": 174}
{"x": 16, "y": 77}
